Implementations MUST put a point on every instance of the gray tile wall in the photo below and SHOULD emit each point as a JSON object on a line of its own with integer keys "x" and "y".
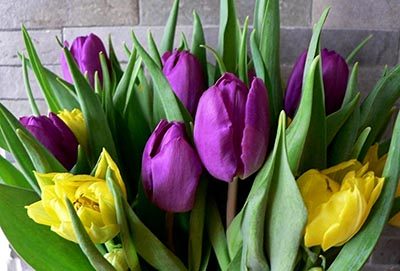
{"x": 348, "y": 23}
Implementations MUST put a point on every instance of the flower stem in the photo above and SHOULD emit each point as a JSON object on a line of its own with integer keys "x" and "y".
{"x": 169, "y": 222}
{"x": 231, "y": 201}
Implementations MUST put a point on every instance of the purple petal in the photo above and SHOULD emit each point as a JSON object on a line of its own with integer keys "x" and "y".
{"x": 256, "y": 132}
{"x": 214, "y": 136}
{"x": 176, "y": 172}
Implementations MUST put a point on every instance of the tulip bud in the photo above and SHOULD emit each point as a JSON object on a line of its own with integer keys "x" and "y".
{"x": 85, "y": 51}
{"x": 171, "y": 168}
{"x": 55, "y": 135}
{"x": 185, "y": 75}
{"x": 231, "y": 128}
{"x": 335, "y": 73}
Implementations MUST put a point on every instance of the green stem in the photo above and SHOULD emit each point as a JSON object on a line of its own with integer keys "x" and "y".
{"x": 231, "y": 201}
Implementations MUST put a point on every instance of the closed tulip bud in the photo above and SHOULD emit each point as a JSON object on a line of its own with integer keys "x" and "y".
{"x": 185, "y": 75}
{"x": 231, "y": 128}
{"x": 55, "y": 135}
{"x": 85, "y": 51}
{"x": 171, "y": 168}
{"x": 335, "y": 73}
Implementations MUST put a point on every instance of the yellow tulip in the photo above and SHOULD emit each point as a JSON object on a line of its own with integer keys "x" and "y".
{"x": 117, "y": 258}
{"x": 376, "y": 163}
{"x": 75, "y": 121}
{"x": 338, "y": 200}
{"x": 90, "y": 195}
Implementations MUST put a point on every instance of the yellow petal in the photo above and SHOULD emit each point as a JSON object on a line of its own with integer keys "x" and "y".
{"x": 376, "y": 163}
{"x": 106, "y": 161}
{"x": 103, "y": 234}
{"x": 38, "y": 214}
{"x": 338, "y": 171}
{"x": 65, "y": 230}
{"x": 395, "y": 220}
{"x": 75, "y": 121}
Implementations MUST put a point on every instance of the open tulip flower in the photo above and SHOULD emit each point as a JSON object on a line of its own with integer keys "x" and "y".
{"x": 85, "y": 51}
{"x": 231, "y": 128}
{"x": 338, "y": 200}
{"x": 90, "y": 195}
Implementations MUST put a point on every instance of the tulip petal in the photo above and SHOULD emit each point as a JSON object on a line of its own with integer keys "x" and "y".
{"x": 178, "y": 194}
{"x": 256, "y": 130}
{"x": 37, "y": 212}
{"x": 214, "y": 136}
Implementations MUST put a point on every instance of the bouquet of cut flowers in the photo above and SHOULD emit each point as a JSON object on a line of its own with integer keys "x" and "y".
{"x": 185, "y": 160}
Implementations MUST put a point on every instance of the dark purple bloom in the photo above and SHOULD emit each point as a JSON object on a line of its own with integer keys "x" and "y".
{"x": 231, "y": 128}
{"x": 55, "y": 135}
{"x": 171, "y": 168}
{"x": 335, "y": 73}
{"x": 85, "y": 50}
{"x": 185, "y": 75}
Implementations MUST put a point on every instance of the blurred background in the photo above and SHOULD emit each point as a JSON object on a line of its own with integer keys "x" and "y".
{"x": 348, "y": 24}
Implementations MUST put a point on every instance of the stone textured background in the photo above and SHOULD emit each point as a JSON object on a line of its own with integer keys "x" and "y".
{"x": 348, "y": 23}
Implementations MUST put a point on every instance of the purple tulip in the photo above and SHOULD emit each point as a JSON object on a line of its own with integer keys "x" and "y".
{"x": 55, "y": 135}
{"x": 231, "y": 128}
{"x": 335, "y": 73}
{"x": 85, "y": 50}
{"x": 185, "y": 75}
{"x": 171, "y": 168}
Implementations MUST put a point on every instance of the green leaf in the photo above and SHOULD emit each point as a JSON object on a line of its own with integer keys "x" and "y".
{"x": 8, "y": 125}
{"x": 93, "y": 114}
{"x": 11, "y": 176}
{"x": 41, "y": 248}
{"x": 38, "y": 69}
{"x": 32, "y": 102}
{"x": 154, "y": 53}
{"x": 336, "y": 120}
{"x": 234, "y": 265}
{"x": 82, "y": 164}
{"x": 376, "y": 107}
{"x": 116, "y": 67}
{"x": 356, "y": 252}
{"x": 359, "y": 144}
{"x": 184, "y": 45}
{"x": 234, "y": 235}
{"x": 168, "y": 99}
{"x": 197, "y": 40}
{"x": 217, "y": 57}
{"x": 395, "y": 207}
{"x": 127, "y": 242}
{"x": 85, "y": 243}
{"x": 167, "y": 42}
{"x": 307, "y": 116}
{"x": 197, "y": 217}
{"x": 228, "y": 35}
{"x": 259, "y": 65}
{"x": 269, "y": 48}
{"x": 42, "y": 159}
{"x": 286, "y": 212}
{"x": 298, "y": 130}
{"x": 353, "y": 54}
{"x": 149, "y": 247}
{"x": 258, "y": 18}
{"x": 216, "y": 234}
{"x": 243, "y": 54}
{"x": 352, "y": 86}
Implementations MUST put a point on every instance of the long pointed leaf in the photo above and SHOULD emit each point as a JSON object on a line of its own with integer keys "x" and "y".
{"x": 96, "y": 259}
{"x": 10, "y": 175}
{"x": 197, "y": 40}
{"x": 167, "y": 41}
{"x": 93, "y": 113}
{"x": 41, "y": 248}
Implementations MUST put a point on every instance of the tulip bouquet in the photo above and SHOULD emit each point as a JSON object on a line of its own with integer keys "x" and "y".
{"x": 175, "y": 163}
